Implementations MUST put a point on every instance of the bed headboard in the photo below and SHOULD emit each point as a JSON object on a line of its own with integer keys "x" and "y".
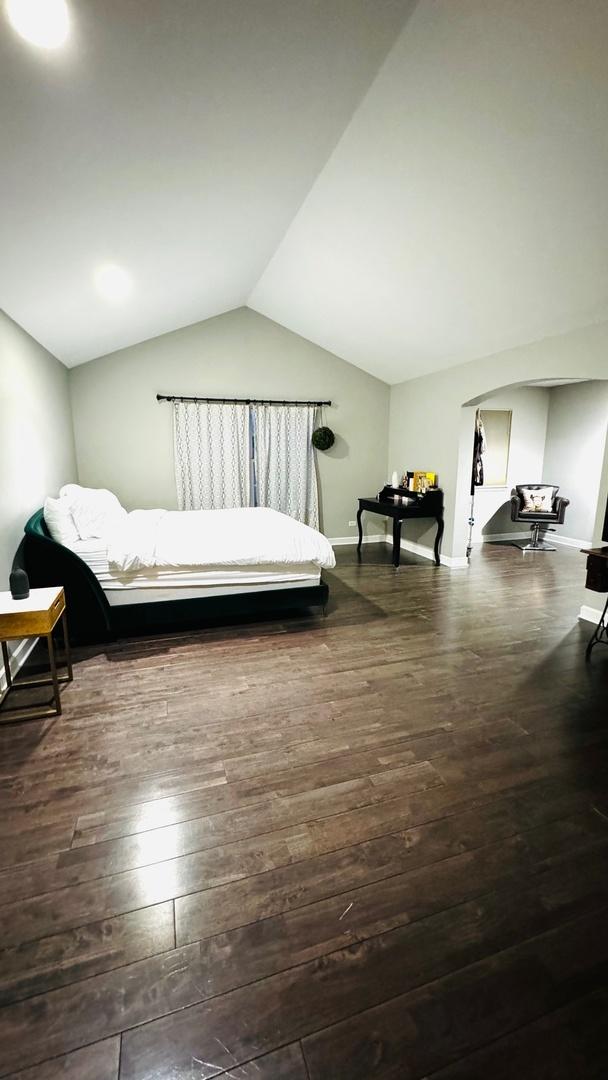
{"x": 49, "y": 563}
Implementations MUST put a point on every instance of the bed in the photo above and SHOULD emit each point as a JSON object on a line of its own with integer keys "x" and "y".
{"x": 157, "y": 570}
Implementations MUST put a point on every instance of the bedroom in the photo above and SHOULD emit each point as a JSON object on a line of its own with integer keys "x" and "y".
{"x": 286, "y": 843}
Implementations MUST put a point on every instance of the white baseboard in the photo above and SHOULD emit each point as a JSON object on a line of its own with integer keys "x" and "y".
{"x": 492, "y": 538}
{"x": 338, "y": 541}
{"x": 569, "y": 541}
{"x": 554, "y": 538}
{"x": 590, "y": 614}
{"x": 17, "y": 659}
{"x": 454, "y": 563}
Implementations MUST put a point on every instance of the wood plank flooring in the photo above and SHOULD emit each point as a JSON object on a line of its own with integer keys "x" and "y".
{"x": 368, "y": 846}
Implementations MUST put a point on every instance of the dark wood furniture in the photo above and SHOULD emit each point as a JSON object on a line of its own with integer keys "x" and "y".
{"x": 389, "y": 504}
{"x": 93, "y": 619}
{"x": 597, "y": 581}
{"x": 34, "y": 617}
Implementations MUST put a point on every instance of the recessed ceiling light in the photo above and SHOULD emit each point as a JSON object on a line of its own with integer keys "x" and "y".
{"x": 113, "y": 283}
{"x": 45, "y": 23}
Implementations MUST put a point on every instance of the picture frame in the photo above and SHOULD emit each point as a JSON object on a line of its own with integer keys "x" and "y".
{"x": 423, "y": 480}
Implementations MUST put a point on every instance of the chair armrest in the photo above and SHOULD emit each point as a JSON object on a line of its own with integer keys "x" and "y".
{"x": 515, "y": 507}
{"x": 559, "y": 507}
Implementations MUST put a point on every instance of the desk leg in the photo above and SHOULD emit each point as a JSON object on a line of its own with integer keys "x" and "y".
{"x": 360, "y": 528}
{"x": 396, "y": 541}
{"x": 440, "y": 528}
{"x": 600, "y": 634}
{"x": 53, "y": 667}
{"x": 7, "y": 665}
{"x": 66, "y": 646}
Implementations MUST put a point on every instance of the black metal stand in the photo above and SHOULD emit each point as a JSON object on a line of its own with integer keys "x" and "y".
{"x": 600, "y": 634}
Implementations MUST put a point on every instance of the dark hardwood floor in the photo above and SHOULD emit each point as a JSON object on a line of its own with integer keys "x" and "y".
{"x": 371, "y": 845}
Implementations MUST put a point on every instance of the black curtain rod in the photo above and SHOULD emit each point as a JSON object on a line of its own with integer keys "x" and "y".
{"x": 236, "y": 401}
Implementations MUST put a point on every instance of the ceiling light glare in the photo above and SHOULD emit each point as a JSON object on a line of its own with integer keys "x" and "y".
{"x": 113, "y": 283}
{"x": 45, "y": 23}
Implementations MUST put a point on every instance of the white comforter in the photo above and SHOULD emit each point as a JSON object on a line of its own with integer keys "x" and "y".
{"x": 242, "y": 537}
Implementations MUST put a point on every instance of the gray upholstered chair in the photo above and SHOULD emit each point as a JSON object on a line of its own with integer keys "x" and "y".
{"x": 539, "y": 506}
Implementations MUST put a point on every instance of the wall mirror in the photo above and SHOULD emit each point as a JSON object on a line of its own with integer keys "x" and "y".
{"x": 497, "y": 427}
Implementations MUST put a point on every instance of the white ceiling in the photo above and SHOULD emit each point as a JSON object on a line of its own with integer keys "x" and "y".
{"x": 176, "y": 138}
{"x": 465, "y": 209}
{"x": 406, "y": 212}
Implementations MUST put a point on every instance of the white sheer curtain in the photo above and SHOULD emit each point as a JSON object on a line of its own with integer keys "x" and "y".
{"x": 284, "y": 460}
{"x": 212, "y": 455}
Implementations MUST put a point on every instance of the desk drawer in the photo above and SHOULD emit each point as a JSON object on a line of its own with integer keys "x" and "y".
{"x": 32, "y": 623}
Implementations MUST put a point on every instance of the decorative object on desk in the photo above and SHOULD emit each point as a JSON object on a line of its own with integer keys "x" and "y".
{"x": 19, "y": 585}
{"x": 323, "y": 438}
{"x": 395, "y": 479}
{"x": 424, "y": 480}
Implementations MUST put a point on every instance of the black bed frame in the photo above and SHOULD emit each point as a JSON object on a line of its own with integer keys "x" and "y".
{"x": 92, "y": 619}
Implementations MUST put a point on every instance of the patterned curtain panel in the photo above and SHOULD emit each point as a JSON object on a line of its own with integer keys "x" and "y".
{"x": 212, "y": 455}
{"x": 284, "y": 461}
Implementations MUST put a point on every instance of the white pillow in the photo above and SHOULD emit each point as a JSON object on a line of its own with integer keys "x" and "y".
{"x": 95, "y": 511}
{"x": 59, "y": 520}
{"x": 537, "y": 500}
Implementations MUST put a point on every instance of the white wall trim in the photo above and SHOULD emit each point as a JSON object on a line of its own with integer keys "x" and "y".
{"x": 590, "y": 614}
{"x": 491, "y": 538}
{"x": 553, "y": 538}
{"x": 569, "y": 541}
{"x": 453, "y": 562}
{"x": 17, "y": 659}
{"x": 338, "y": 541}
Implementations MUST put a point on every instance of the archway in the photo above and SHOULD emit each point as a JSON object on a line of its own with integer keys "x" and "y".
{"x": 537, "y": 455}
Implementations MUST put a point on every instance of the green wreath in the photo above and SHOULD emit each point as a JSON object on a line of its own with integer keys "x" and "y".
{"x": 323, "y": 438}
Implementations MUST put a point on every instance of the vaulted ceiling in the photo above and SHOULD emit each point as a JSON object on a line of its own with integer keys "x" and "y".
{"x": 176, "y": 138}
{"x": 409, "y": 187}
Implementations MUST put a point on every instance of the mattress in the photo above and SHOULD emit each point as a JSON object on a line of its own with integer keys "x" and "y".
{"x": 153, "y": 585}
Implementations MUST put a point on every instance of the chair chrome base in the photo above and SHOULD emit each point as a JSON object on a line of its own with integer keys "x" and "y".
{"x": 539, "y": 546}
{"x": 536, "y": 544}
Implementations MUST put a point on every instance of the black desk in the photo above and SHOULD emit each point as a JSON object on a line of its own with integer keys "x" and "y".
{"x": 597, "y": 581}
{"x": 429, "y": 505}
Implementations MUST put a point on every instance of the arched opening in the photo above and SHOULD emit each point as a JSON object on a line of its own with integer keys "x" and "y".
{"x": 558, "y": 436}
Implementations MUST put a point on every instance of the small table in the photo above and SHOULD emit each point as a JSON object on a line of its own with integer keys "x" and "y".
{"x": 597, "y": 581}
{"x": 34, "y": 617}
{"x": 429, "y": 505}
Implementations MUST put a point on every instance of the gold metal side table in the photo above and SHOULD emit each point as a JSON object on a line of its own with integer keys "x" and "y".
{"x": 34, "y": 617}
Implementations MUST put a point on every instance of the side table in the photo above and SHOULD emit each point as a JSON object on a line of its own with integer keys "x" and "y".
{"x": 34, "y": 617}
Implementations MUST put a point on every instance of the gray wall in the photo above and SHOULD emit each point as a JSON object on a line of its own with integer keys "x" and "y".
{"x": 124, "y": 437}
{"x": 36, "y": 436}
{"x": 574, "y": 451}
{"x": 530, "y": 408}
{"x": 427, "y": 424}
